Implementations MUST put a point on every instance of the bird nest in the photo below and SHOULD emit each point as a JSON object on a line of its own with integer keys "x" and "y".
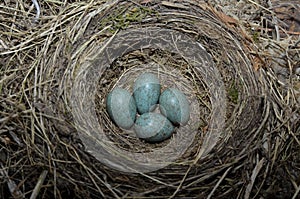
{"x": 59, "y": 140}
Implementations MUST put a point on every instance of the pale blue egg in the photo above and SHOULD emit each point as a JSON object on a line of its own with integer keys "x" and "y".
{"x": 121, "y": 107}
{"x": 153, "y": 127}
{"x": 146, "y": 91}
{"x": 175, "y": 106}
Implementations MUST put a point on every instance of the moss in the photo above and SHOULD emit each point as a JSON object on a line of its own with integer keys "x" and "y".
{"x": 123, "y": 16}
{"x": 233, "y": 93}
{"x": 255, "y": 37}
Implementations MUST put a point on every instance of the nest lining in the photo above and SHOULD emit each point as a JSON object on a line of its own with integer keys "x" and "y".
{"x": 126, "y": 69}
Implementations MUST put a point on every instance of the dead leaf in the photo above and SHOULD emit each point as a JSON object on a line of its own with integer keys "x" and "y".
{"x": 257, "y": 63}
{"x": 229, "y": 21}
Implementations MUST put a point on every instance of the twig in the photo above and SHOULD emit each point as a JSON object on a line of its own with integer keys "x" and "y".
{"x": 296, "y": 192}
{"x": 266, "y": 9}
{"x": 218, "y": 183}
{"x": 39, "y": 184}
{"x": 275, "y": 21}
{"x": 253, "y": 177}
{"x": 38, "y": 10}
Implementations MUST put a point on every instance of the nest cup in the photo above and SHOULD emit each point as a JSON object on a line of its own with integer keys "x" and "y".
{"x": 177, "y": 74}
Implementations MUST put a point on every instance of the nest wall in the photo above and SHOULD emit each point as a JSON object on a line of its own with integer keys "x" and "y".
{"x": 253, "y": 155}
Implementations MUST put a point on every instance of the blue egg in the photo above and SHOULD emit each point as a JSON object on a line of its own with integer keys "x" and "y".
{"x": 174, "y": 105}
{"x": 153, "y": 127}
{"x": 146, "y": 91}
{"x": 121, "y": 107}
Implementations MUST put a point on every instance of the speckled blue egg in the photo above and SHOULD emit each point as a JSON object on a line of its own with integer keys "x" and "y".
{"x": 153, "y": 127}
{"x": 175, "y": 106}
{"x": 121, "y": 107}
{"x": 146, "y": 92}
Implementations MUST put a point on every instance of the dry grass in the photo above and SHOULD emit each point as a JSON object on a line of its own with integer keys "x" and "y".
{"x": 255, "y": 47}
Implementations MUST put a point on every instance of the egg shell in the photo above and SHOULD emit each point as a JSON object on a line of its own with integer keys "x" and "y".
{"x": 146, "y": 92}
{"x": 153, "y": 127}
{"x": 174, "y": 105}
{"x": 121, "y": 108}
